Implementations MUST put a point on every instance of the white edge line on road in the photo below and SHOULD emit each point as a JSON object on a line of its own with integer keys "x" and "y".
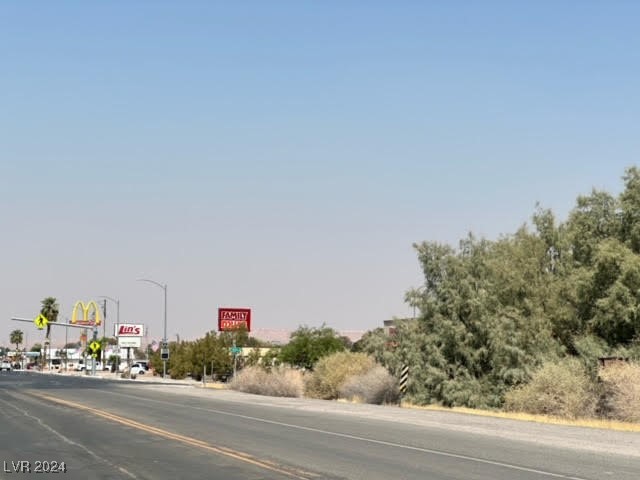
{"x": 361, "y": 439}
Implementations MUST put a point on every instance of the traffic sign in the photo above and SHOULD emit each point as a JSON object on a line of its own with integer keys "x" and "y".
{"x": 40, "y": 321}
{"x": 236, "y": 350}
{"x": 94, "y": 346}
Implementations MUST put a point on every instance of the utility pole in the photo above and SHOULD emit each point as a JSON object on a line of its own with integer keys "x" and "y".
{"x": 117, "y": 302}
{"x": 66, "y": 350}
{"x": 104, "y": 331}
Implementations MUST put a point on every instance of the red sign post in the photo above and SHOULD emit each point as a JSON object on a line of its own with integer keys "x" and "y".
{"x": 234, "y": 318}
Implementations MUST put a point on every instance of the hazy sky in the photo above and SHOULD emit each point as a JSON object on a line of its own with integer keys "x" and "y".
{"x": 285, "y": 155}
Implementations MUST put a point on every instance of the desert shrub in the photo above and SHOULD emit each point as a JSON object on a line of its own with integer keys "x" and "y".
{"x": 278, "y": 382}
{"x": 376, "y": 386}
{"x": 621, "y": 392}
{"x": 562, "y": 388}
{"x": 332, "y": 371}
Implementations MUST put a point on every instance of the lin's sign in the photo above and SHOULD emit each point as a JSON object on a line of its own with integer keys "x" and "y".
{"x": 129, "y": 335}
{"x": 129, "y": 330}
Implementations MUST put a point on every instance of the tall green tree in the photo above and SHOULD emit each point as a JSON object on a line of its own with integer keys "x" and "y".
{"x": 610, "y": 297}
{"x": 210, "y": 355}
{"x": 630, "y": 209}
{"x": 307, "y": 345}
{"x": 485, "y": 322}
{"x": 596, "y": 217}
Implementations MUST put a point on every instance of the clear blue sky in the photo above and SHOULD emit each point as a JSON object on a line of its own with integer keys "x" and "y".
{"x": 285, "y": 155}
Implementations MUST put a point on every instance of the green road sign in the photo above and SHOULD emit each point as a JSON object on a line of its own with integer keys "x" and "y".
{"x": 236, "y": 350}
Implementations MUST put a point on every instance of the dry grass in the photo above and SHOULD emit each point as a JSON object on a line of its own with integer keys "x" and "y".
{"x": 621, "y": 392}
{"x": 279, "y": 382}
{"x": 528, "y": 417}
{"x": 558, "y": 389}
{"x": 376, "y": 386}
{"x": 332, "y": 371}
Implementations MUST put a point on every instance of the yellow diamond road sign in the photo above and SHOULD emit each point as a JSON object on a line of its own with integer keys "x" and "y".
{"x": 40, "y": 321}
{"x": 94, "y": 346}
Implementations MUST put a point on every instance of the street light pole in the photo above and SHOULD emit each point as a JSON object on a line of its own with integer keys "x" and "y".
{"x": 117, "y": 302}
{"x": 164, "y": 337}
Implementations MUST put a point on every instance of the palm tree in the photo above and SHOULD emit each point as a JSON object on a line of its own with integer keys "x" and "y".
{"x": 50, "y": 310}
{"x": 16, "y": 338}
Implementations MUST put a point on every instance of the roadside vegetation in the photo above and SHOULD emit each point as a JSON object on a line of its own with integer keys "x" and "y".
{"x": 520, "y": 323}
{"x": 516, "y": 324}
{"x": 620, "y": 398}
{"x": 331, "y": 372}
{"x": 279, "y": 381}
{"x": 377, "y": 386}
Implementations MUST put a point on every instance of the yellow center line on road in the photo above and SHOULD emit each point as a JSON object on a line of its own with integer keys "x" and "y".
{"x": 228, "y": 452}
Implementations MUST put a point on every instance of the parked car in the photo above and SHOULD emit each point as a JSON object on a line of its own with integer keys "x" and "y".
{"x": 138, "y": 369}
{"x": 143, "y": 363}
{"x": 4, "y": 365}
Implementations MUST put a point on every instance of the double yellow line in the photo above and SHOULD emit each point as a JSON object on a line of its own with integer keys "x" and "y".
{"x": 194, "y": 442}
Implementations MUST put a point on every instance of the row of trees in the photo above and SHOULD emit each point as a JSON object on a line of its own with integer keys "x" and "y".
{"x": 211, "y": 355}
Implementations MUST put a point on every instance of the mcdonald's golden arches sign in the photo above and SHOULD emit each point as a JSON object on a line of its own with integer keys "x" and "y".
{"x": 90, "y": 313}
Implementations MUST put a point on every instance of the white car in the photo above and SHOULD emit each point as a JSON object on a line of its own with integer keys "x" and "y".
{"x": 81, "y": 367}
{"x": 4, "y": 365}
{"x": 138, "y": 369}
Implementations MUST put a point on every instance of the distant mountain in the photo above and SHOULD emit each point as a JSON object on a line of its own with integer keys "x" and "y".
{"x": 281, "y": 337}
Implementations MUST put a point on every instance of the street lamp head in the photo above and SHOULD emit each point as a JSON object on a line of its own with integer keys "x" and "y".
{"x": 152, "y": 281}
{"x": 109, "y": 298}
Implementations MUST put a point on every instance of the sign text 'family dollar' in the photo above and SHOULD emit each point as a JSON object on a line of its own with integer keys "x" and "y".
{"x": 234, "y": 318}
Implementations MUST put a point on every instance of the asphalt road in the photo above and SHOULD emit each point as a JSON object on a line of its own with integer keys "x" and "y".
{"x": 105, "y": 429}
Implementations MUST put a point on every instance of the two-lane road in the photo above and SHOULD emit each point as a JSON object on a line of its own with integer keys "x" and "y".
{"x": 110, "y": 429}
